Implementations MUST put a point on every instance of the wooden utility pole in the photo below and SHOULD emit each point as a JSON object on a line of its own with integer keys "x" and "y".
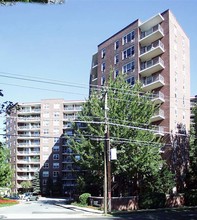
{"x": 107, "y": 161}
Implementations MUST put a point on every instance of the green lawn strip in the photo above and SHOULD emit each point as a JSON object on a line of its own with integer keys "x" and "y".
{"x": 7, "y": 202}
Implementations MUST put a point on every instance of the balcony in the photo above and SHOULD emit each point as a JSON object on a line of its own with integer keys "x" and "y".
{"x": 152, "y": 66}
{"x": 28, "y": 153}
{"x": 28, "y": 119}
{"x": 151, "y": 35}
{"x": 27, "y": 169}
{"x": 153, "y": 50}
{"x": 25, "y": 177}
{"x": 29, "y": 110}
{"x": 158, "y": 97}
{"x": 153, "y": 82}
{"x": 158, "y": 115}
{"x": 159, "y": 131}
{"x": 69, "y": 177}
{"x": 26, "y": 159}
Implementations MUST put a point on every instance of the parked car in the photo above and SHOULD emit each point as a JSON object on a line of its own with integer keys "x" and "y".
{"x": 16, "y": 197}
{"x": 32, "y": 197}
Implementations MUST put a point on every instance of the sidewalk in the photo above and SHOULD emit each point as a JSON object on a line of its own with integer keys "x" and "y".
{"x": 82, "y": 209}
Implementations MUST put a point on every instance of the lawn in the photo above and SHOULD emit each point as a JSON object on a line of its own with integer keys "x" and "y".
{"x": 7, "y": 202}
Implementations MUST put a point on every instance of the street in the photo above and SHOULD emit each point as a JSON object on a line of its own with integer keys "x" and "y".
{"x": 46, "y": 208}
{"x": 56, "y": 209}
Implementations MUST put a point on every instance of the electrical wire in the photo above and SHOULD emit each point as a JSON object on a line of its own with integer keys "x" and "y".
{"x": 69, "y": 84}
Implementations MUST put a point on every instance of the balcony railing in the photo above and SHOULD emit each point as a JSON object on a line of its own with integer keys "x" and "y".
{"x": 29, "y": 119}
{"x": 147, "y": 68}
{"x": 159, "y": 131}
{"x": 157, "y": 97}
{"x": 153, "y": 82}
{"x": 158, "y": 115}
{"x": 28, "y": 152}
{"x": 152, "y": 46}
{"x": 151, "y": 30}
{"x": 154, "y": 49}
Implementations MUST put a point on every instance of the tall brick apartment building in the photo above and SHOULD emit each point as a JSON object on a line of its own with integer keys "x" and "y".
{"x": 34, "y": 137}
{"x": 156, "y": 53}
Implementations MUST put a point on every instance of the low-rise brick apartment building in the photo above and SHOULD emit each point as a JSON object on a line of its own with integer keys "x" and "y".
{"x": 157, "y": 54}
{"x": 34, "y": 137}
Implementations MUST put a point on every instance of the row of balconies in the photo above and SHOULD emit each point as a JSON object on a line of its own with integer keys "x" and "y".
{"x": 27, "y": 169}
{"x": 29, "y": 110}
{"x": 28, "y": 153}
{"x": 29, "y": 119}
{"x": 24, "y": 177}
{"x": 28, "y": 161}
{"x": 29, "y": 127}
{"x": 28, "y": 144}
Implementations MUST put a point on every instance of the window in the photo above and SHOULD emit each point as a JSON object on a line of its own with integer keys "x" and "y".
{"x": 46, "y": 165}
{"x": 46, "y": 131}
{"x": 46, "y": 106}
{"x": 56, "y": 148}
{"x": 116, "y": 45}
{"x": 128, "y": 38}
{"x": 103, "y": 67}
{"x": 56, "y": 114}
{"x": 56, "y": 122}
{"x": 116, "y": 72}
{"x": 69, "y": 133}
{"x": 77, "y": 157}
{"x": 103, "y": 53}
{"x": 56, "y": 156}
{"x": 102, "y": 80}
{"x": 128, "y": 52}
{"x": 56, "y": 165}
{"x": 55, "y": 174}
{"x": 56, "y": 140}
{"x": 56, "y": 130}
{"x": 44, "y": 182}
{"x": 45, "y": 174}
{"x": 45, "y": 122}
{"x": 128, "y": 67}
{"x": 116, "y": 59}
{"x": 131, "y": 80}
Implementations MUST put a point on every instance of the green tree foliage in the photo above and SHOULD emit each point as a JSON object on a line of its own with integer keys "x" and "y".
{"x": 36, "y": 183}
{"x": 131, "y": 134}
{"x": 5, "y": 168}
{"x": 26, "y": 185}
{"x": 191, "y": 177}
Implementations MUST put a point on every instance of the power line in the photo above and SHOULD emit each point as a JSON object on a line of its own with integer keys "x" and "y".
{"x": 38, "y": 88}
{"x": 69, "y": 84}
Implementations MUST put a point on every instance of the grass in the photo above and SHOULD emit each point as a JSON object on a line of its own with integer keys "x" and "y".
{"x": 7, "y": 202}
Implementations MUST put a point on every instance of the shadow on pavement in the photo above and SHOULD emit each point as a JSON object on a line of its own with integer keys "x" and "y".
{"x": 168, "y": 214}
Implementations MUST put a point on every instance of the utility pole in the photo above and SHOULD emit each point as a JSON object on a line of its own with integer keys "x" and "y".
{"x": 107, "y": 162}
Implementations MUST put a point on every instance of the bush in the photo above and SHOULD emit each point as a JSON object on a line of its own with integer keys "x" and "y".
{"x": 83, "y": 198}
{"x": 152, "y": 200}
{"x": 190, "y": 197}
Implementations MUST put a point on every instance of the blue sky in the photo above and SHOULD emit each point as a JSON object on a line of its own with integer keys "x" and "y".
{"x": 57, "y": 42}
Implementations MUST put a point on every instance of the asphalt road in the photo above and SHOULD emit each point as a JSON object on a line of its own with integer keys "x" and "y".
{"x": 55, "y": 209}
{"x": 45, "y": 208}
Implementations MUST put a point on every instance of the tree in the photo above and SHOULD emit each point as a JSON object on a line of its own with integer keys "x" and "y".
{"x": 5, "y": 168}
{"x": 130, "y": 111}
{"x": 26, "y": 185}
{"x": 36, "y": 183}
{"x": 191, "y": 177}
